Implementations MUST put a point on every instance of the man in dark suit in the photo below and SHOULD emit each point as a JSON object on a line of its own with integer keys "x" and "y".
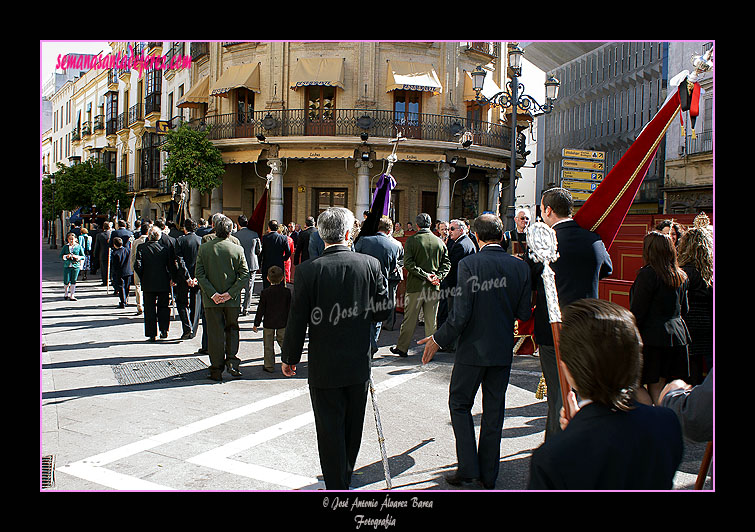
{"x": 459, "y": 246}
{"x": 583, "y": 260}
{"x": 302, "y": 245}
{"x": 275, "y": 251}
{"x": 493, "y": 290}
{"x": 101, "y": 252}
{"x": 124, "y": 234}
{"x": 612, "y": 442}
{"x": 187, "y": 247}
{"x": 390, "y": 253}
{"x": 336, "y": 297}
{"x": 155, "y": 265}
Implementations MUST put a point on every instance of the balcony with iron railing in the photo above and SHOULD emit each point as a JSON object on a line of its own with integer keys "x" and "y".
{"x": 130, "y": 179}
{"x": 703, "y": 142}
{"x": 135, "y": 114}
{"x": 354, "y": 122}
{"x": 99, "y": 123}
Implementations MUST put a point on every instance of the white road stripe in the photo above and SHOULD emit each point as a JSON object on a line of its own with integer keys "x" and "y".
{"x": 92, "y": 468}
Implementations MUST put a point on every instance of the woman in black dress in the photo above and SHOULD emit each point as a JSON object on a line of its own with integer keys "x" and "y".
{"x": 658, "y": 300}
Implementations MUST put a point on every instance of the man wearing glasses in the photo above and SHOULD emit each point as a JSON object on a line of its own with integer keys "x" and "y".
{"x": 459, "y": 246}
{"x": 518, "y": 237}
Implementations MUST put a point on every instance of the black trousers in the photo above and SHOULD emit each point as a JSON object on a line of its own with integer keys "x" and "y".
{"x": 339, "y": 418}
{"x": 549, "y": 365}
{"x": 156, "y": 313}
{"x": 121, "y": 286}
{"x": 478, "y": 461}
{"x": 186, "y": 297}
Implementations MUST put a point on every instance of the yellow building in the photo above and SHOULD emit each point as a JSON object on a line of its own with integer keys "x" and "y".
{"x": 318, "y": 119}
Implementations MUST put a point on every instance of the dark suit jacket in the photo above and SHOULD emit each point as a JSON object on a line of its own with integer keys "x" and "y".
{"x": 583, "y": 261}
{"x": 608, "y": 449}
{"x": 493, "y": 289}
{"x": 658, "y": 309}
{"x": 457, "y": 250}
{"x": 275, "y": 251}
{"x": 120, "y": 262}
{"x": 302, "y": 245}
{"x": 187, "y": 246}
{"x": 124, "y": 234}
{"x": 155, "y": 265}
{"x": 337, "y": 296}
{"x": 274, "y": 306}
{"x": 101, "y": 245}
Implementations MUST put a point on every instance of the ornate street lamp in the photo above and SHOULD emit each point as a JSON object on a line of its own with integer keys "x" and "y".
{"x": 514, "y": 98}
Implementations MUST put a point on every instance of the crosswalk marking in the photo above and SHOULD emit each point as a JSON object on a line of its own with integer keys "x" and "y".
{"x": 93, "y": 468}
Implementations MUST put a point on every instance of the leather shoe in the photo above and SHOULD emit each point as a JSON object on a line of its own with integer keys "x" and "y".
{"x": 215, "y": 376}
{"x": 233, "y": 371}
{"x": 186, "y": 336}
{"x": 455, "y": 480}
{"x": 398, "y": 352}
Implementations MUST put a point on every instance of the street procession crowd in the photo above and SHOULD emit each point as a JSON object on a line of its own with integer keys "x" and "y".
{"x": 637, "y": 381}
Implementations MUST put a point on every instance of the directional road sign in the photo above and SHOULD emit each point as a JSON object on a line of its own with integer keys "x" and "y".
{"x": 581, "y": 174}
{"x": 583, "y": 164}
{"x": 583, "y": 154}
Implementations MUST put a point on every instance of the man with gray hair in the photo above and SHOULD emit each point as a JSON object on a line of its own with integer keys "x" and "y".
{"x": 336, "y": 297}
{"x": 426, "y": 260}
{"x": 222, "y": 272}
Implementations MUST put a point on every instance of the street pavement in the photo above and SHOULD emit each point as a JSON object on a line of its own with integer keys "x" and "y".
{"x": 118, "y": 413}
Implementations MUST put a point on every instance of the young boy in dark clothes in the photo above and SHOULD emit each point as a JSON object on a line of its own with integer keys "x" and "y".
{"x": 120, "y": 270}
{"x": 612, "y": 442}
{"x": 272, "y": 312}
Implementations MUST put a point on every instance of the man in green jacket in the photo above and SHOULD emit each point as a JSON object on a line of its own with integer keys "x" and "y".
{"x": 426, "y": 260}
{"x": 222, "y": 272}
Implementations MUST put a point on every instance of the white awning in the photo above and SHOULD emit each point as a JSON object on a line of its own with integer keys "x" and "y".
{"x": 318, "y": 71}
{"x": 412, "y": 76}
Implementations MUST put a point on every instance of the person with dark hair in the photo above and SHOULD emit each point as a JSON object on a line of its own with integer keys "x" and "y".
{"x": 120, "y": 270}
{"x": 390, "y": 253}
{"x": 493, "y": 290}
{"x": 658, "y": 300}
{"x": 583, "y": 260}
{"x": 221, "y": 272}
{"x": 101, "y": 251}
{"x": 301, "y": 253}
{"x": 459, "y": 246}
{"x": 272, "y": 313}
{"x": 427, "y": 263}
{"x": 612, "y": 442}
{"x": 275, "y": 251}
{"x": 139, "y": 296}
{"x": 672, "y": 228}
{"x": 326, "y": 292}
{"x": 187, "y": 247}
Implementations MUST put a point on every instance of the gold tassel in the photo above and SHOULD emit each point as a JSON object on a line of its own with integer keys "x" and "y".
{"x": 542, "y": 389}
{"x": 694, "y": 137}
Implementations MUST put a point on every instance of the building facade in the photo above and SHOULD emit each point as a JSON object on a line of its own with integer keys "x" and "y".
{"x": 688, "y": 185}
{"x": 313, "y": 121}
{"x": 316, "y": 120}
{"x": 606, "y": 97}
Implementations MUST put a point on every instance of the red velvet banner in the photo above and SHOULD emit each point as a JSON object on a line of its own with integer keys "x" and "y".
{"x": 608, "y": 205}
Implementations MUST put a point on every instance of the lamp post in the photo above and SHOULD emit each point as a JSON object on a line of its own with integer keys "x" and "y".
{"x": 514, "y": 98}
{"x": 54, "y": 244}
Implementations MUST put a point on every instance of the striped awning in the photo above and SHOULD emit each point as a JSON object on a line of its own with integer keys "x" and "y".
{"x": 237, "y": 76}
{"x": 412, "y": 76}
{"x": 483, "y": 163}
{"x": 318, "y": 71}
{"x": 198, "y": 94}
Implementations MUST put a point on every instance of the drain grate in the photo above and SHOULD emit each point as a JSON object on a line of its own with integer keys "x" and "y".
{"x": 160, "y": 371}
{"x": 48, "y": 471}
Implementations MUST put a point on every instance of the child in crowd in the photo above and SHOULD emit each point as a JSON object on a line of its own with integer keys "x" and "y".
{"x": 272, "y": 312}
{"x": 73, "y": 257}
{"x": 612, "y": 442}
{"x": 120, "y": 270}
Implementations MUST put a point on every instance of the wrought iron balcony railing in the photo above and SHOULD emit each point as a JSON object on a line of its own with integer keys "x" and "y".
{"x": 354, "y": 122}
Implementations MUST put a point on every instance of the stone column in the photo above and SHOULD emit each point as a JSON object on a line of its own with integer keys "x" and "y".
{"x": 195, "y": 204}
{"x": 276, "y": 190}
{"x": 493, "y": 193}
{"x": 363, "y": 188}
{"x": 216, "y": 200}
{"x": 444, "y": 191}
